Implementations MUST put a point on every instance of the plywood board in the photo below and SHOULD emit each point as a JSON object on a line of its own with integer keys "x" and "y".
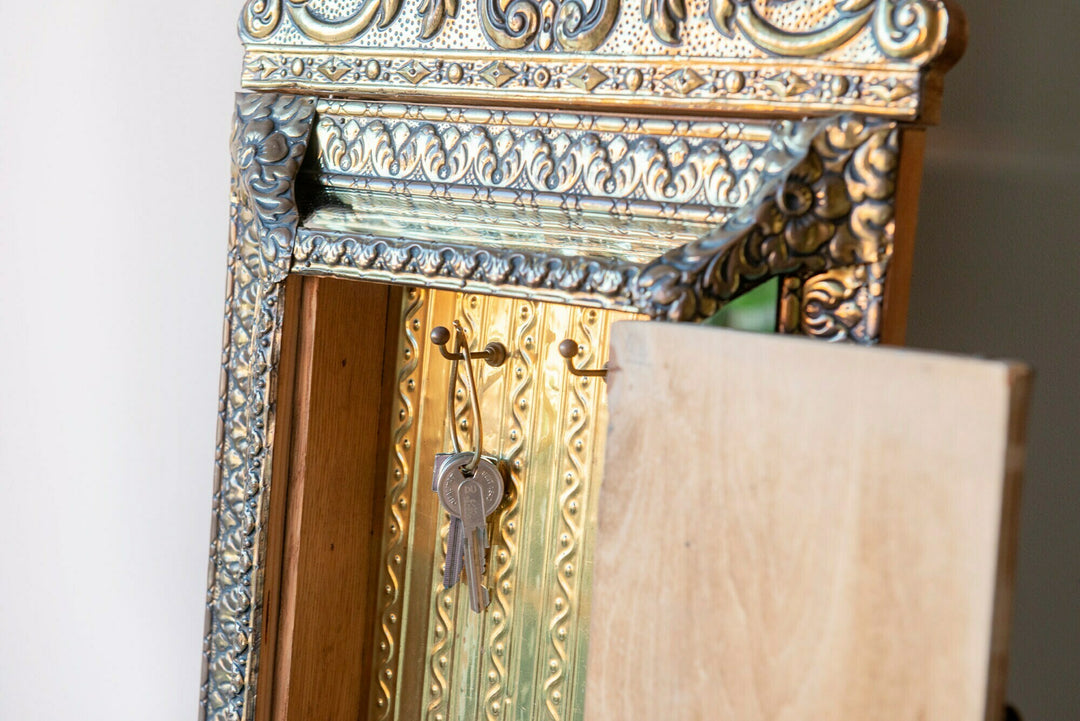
{"x": 791, "y": 530}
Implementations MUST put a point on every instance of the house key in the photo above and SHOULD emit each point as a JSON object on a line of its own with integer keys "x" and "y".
{"x": 471, "y": 498}
{"x": 455, "y": 540}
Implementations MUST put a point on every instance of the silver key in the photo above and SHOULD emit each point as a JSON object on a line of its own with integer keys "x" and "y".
{"x": 455, "y": 539}
{"x": 473, "y": 521}
{"x": 471, "y": 499}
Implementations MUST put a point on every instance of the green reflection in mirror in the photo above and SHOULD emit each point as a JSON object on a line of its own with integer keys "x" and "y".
{"x": 755, "y": 311}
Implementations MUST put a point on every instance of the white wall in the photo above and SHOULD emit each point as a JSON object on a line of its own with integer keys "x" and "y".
{"x": 113, "y": 222}
{"x": 113, "y": 209}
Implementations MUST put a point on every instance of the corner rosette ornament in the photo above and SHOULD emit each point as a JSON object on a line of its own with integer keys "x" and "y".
{"x": 807, "y": 207}
{"x": 269, "y": 140}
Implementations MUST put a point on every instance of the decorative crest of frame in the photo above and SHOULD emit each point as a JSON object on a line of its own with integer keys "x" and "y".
{"x": 805, "y": 56}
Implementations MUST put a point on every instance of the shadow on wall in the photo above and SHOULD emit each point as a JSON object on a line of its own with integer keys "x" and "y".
{"x": 996, "y": 265}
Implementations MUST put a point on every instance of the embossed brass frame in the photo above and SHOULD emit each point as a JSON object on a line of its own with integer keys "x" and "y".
{"x": 826, "y": 219}
{"x": 819, "y": 210}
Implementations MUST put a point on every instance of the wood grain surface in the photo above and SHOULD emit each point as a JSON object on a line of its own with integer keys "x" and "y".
{"x": 791, "y": 530}
{"x": 322, "y": 542}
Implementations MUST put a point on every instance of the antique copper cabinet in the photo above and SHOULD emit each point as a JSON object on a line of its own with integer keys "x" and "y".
{"x": 535, "y": 169}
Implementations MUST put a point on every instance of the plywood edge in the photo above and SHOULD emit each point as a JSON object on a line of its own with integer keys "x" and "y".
{"x": 1021, "y": 379}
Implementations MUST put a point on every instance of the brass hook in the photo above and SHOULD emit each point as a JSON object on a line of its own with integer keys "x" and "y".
{"x": 462, "y": 352}
{"x": 568, "y": 349}
{"x": 494, "y": 354}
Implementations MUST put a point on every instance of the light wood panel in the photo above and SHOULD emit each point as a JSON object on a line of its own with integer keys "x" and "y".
{"x": 319, "y": 585}
{"x": 791, "y": 530}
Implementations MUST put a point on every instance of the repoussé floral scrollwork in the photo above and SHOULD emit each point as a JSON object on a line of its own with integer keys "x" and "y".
{"x": 910, "y": 30}
{"x": 569, "y": 25}
{"x": 834, "y": 208}
{"x": 901, "y": 28}
{"x": 269, "y": 139}
{"x": 644, "y": 167}
{"x": 260, "y": 18}
{"x": 825, "y": 201}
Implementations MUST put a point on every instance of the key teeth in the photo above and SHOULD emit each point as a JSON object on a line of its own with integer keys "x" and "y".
{"x": 455, "y": 577}
{"x": 454, "y": 554}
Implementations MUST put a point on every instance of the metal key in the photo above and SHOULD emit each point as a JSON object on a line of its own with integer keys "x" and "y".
{"x": 474, "y": 523}
{"x": 470, "y": 499}
{"x": 455, "y": 539}
{"x": 442, "y": 461}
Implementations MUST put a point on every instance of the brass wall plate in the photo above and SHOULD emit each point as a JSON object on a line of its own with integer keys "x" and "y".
{"x": 524, "y": 656}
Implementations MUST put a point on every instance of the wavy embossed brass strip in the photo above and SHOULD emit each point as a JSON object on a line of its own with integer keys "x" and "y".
{"x": 440, "y": 658}
{"x": 476, "y": 666}
{"x": 564, "y": 625}
{"x": 400, "y": 482}
{"x": 505, "y": 546}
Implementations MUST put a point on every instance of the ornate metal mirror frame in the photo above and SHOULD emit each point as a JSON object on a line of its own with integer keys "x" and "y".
{"x": 660, "y": 157}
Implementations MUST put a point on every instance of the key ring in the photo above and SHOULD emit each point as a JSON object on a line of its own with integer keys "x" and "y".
{"x": 454, "y": 440}
{"x": 461, "y": 343}
{"x": 474, "y": 397}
